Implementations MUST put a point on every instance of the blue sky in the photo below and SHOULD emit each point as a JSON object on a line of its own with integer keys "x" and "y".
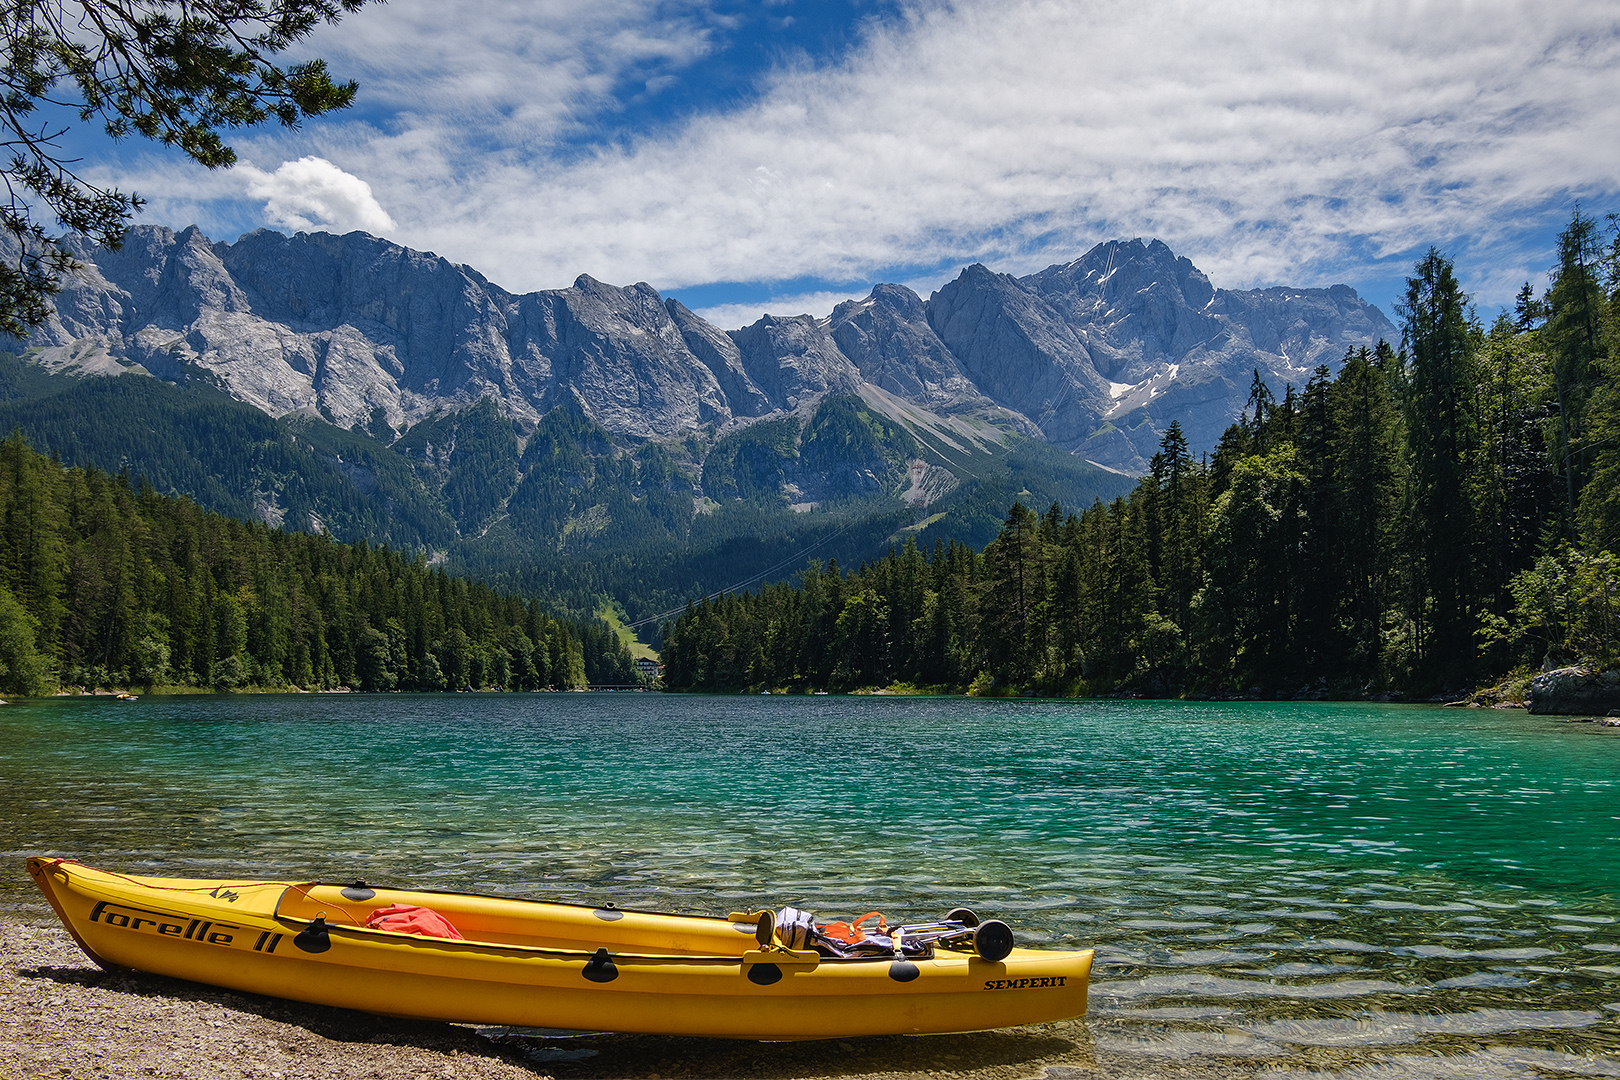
{"x": 782, "y": 156}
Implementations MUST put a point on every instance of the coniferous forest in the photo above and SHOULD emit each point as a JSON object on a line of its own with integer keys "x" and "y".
{"x": 104, "y": 583}
{"x": 1425, "y": 520}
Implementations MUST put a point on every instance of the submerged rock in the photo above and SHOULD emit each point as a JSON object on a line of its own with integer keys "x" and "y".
{"x": 1574, "y": 691}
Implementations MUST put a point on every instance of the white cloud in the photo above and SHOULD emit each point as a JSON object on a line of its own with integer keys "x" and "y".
{"x": 513, "y": 73}
{"x": 312, "y": 193}
{"x": 819, "y": 304}
{"x": 1268, "y": 140}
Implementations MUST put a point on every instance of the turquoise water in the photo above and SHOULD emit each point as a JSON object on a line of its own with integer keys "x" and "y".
{"x": 1325, "y": 886}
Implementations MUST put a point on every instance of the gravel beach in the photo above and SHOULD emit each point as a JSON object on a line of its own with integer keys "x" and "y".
{"x": 64, "y": 1017}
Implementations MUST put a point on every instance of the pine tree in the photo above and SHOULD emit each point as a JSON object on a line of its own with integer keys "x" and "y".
{"x": 1014, "y": 632}
{"x": 1366, "y": 447}
{"x": 1249, "y": 607}
{"x": 1124, "y": 592}
{"x": 1175, "y": 510}
{"x": 1518, "y": 493}
{"x": 1576, "y": 337}
{"x": 1444, "y": 436}
{"x": 176, "y": 73}
{"x": 1317, "y": 636}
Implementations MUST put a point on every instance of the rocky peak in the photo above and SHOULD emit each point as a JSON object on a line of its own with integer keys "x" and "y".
{"x": 1144, "y": 306}
{"x": 318, "y": 280}
{"x": 621, "y": 356}
{"x": 1304, "y": 326}
{"x": 794, "y": 360}
{"x": 715, "y": 349}
{"x": 887, "y": 337}
{"x": 344, "y": 325}
{"x": 159, "y": 276}
{"x": 1019, "y": 351}
{"x": 1099, "y": 354}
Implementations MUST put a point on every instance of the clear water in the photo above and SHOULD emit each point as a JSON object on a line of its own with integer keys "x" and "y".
{"x": 1327, "y": 887}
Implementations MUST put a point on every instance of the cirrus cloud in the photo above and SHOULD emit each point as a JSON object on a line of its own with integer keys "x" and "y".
{"x": 1269, "y": 140}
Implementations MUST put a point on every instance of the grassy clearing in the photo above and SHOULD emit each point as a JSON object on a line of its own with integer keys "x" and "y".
{"x": 610, "y": 614}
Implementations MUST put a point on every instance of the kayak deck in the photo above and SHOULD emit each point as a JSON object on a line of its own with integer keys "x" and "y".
{"x": 542, "y": 964}
{"x": 531, "y": 924}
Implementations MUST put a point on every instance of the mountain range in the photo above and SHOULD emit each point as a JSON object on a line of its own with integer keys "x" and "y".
{"x": 1095, "y": 356}
{"x": 604, "y": 439}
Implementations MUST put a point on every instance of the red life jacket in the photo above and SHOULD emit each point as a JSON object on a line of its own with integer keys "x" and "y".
{"x": 410, "y": 919}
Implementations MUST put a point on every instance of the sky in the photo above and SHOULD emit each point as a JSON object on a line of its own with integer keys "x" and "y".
{"x": 784, "y": 155}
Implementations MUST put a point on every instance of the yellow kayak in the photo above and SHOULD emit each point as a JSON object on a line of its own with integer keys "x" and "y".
{"x": 531, "y": 963}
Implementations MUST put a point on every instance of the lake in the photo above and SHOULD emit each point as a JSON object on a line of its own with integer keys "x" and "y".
{"x": 1329, "y": 887}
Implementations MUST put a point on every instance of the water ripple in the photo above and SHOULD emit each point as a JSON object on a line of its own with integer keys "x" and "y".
{"x": 1409, "y": 892}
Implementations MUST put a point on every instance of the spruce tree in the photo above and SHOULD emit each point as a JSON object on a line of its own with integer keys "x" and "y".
{"x": 1444, "y": 436}
{"x": 1015, "y": 572}
{"x": 1366, "y": 446}
{"x": 1576, "y": 336}
{"x": 1248, "y": 609}
{"x": 1317, "y": 636}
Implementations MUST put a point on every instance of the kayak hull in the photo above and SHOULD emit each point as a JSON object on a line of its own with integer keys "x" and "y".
{"x": 536, "y": 964}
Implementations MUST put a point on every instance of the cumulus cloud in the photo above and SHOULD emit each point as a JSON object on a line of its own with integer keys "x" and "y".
{"x": 312, "y": 193}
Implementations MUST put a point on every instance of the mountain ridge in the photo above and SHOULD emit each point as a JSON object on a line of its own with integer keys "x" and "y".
{"x": 1096, "y": 356}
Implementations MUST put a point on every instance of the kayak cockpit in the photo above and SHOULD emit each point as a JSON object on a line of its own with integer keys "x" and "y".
{"x": 531, "y": 924}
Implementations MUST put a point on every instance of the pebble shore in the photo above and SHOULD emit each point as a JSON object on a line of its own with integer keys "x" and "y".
{"x": 63, "y": 1017}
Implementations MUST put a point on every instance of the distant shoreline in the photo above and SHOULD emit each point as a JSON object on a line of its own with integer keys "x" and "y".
{"x": 138, "y": 692}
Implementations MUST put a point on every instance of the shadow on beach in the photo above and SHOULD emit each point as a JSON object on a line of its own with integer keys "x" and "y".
{"x": 1013, "y": 1053}
{"x": 192, "y": 1010}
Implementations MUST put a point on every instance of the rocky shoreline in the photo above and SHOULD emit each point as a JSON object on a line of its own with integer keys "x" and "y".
{"x": 64, "y": 1017}
{"x": 1576, "y": 691}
